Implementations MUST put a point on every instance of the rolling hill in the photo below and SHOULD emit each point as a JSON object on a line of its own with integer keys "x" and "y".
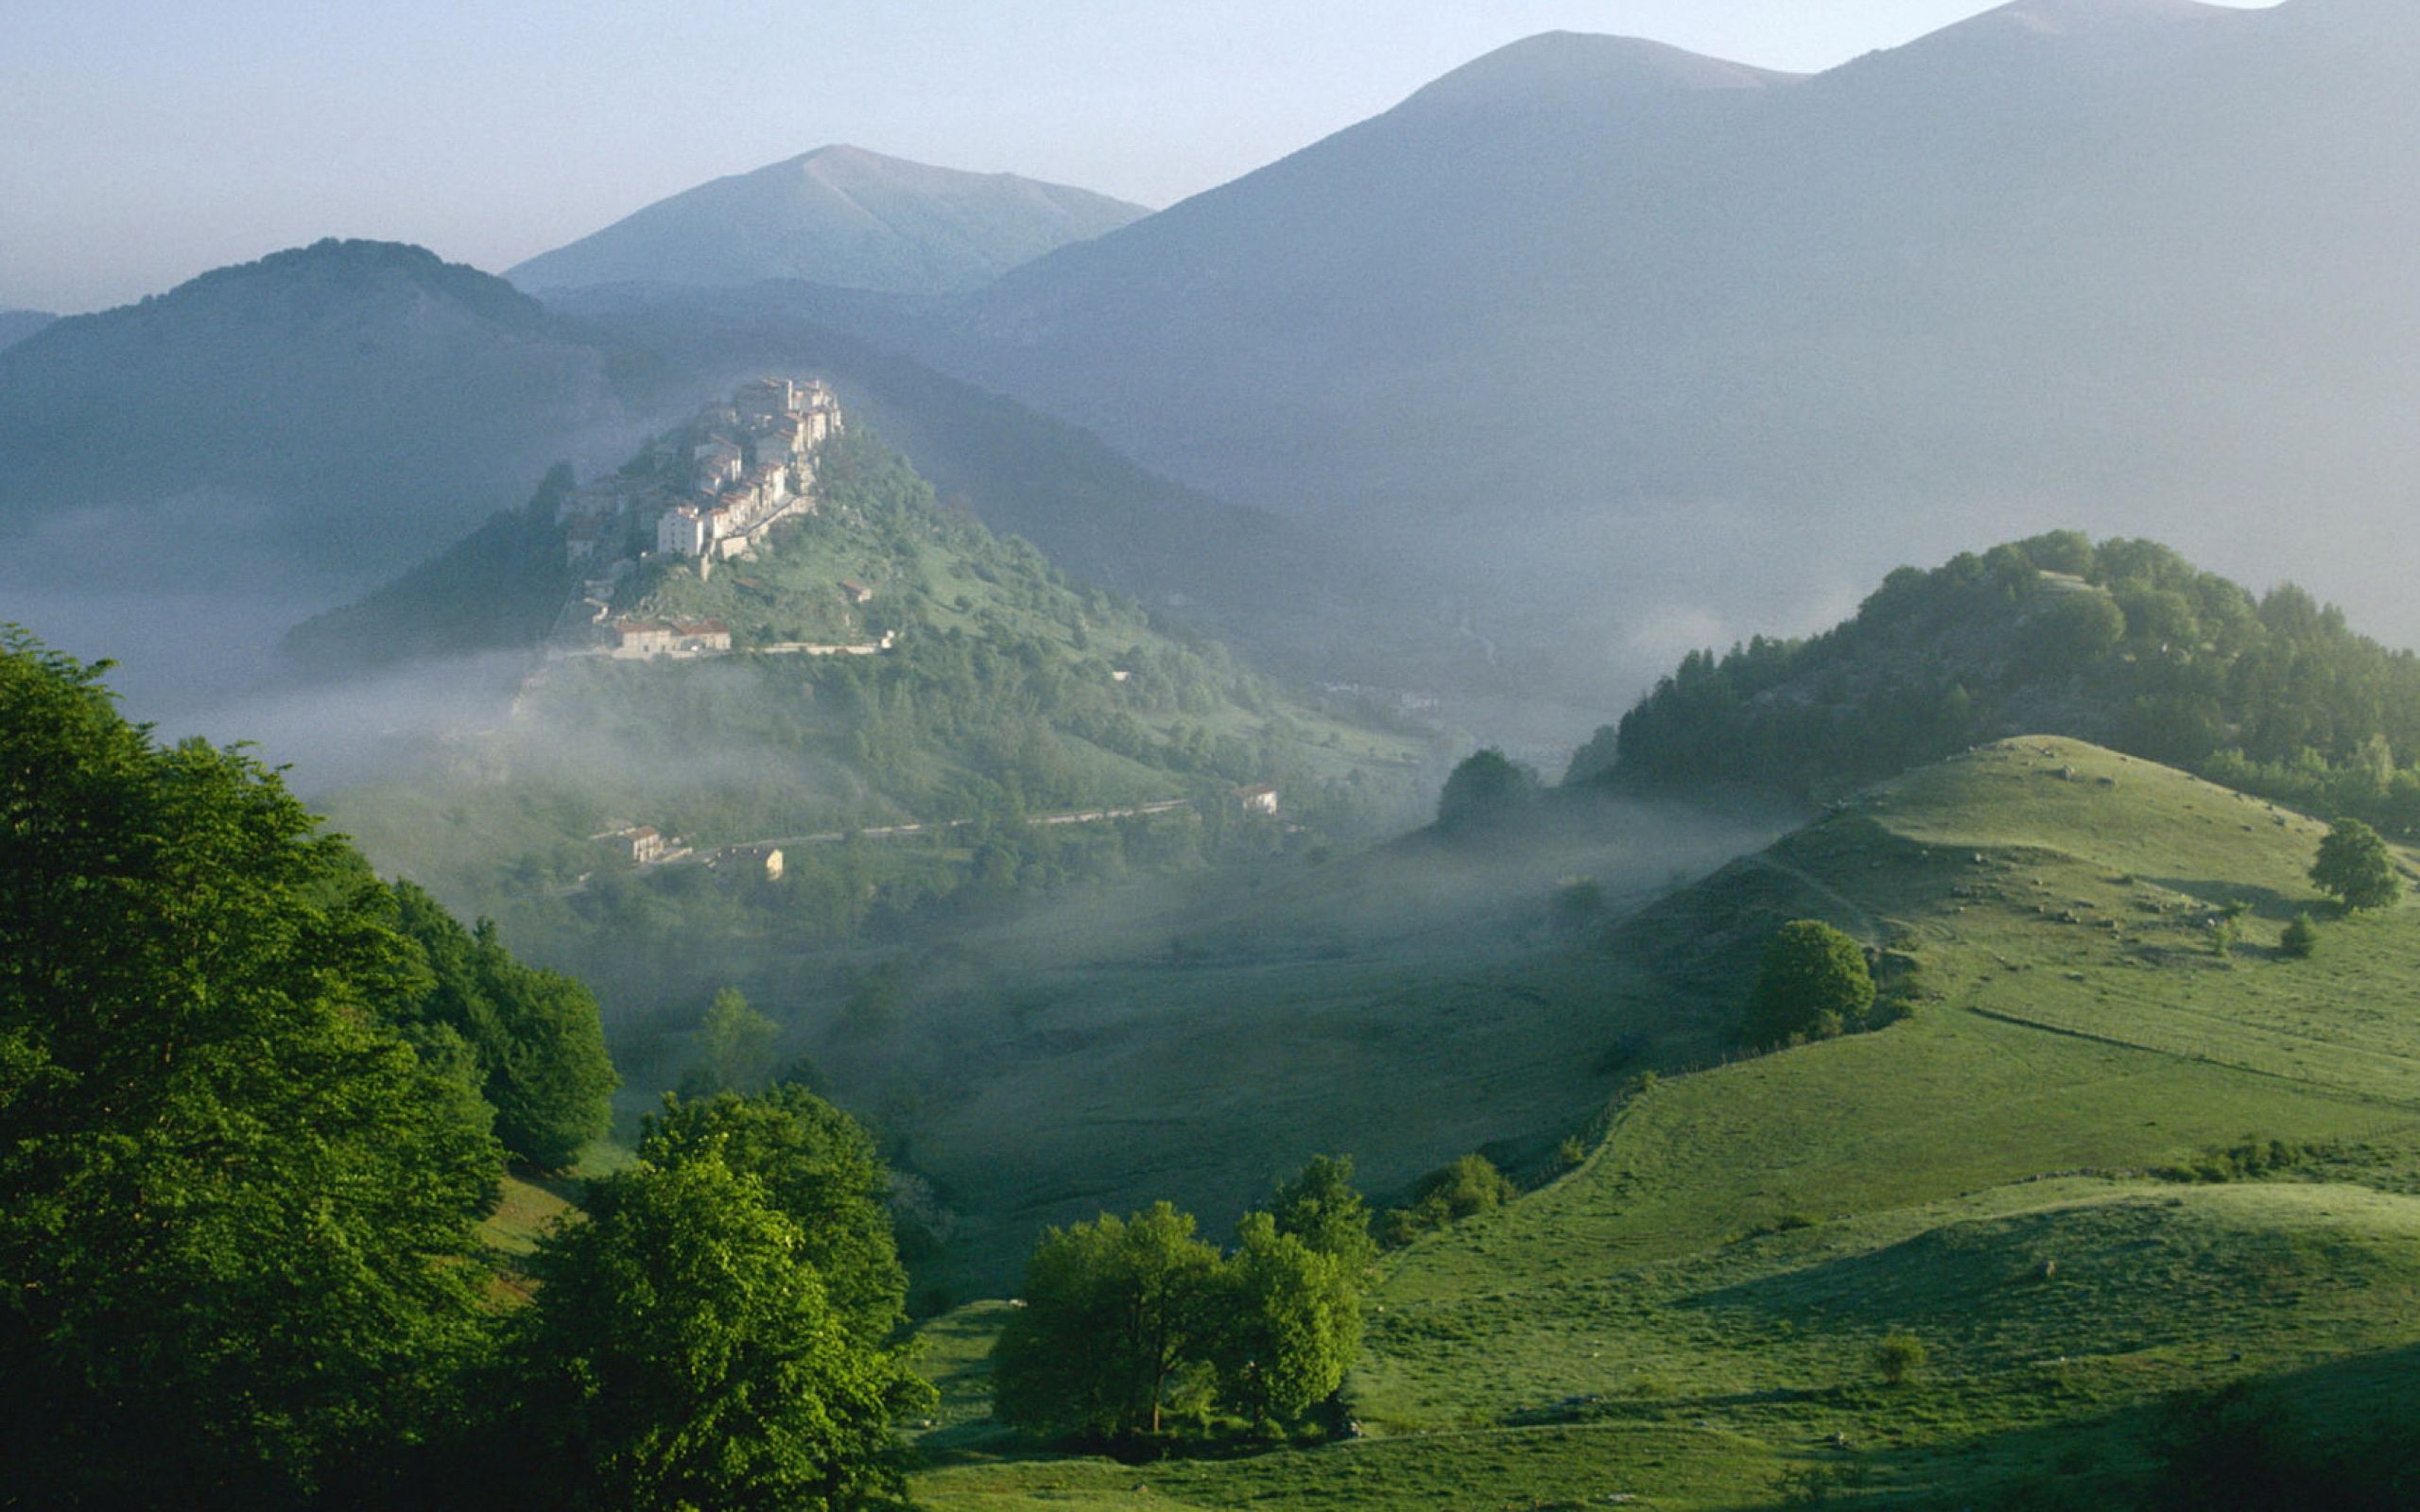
{"x": 839, "y": 216}
{"x": 2101, "y": 1162}
{"x": 1643, "y": 333}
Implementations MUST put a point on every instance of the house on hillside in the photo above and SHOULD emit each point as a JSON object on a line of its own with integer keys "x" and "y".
{"x": 641, "y": 843}
{"x": 856, "y": 593}
{"x": 1261, "y": 800}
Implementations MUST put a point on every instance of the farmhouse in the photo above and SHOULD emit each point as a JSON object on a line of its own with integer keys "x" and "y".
{"x": 1261, "y": 799}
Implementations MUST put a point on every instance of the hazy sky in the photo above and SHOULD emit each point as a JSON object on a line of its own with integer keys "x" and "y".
{"x": 145, "y": 141}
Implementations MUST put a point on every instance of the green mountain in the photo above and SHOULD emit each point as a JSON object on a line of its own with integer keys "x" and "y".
{"x": 2125, "y": 644}
{"x": 927, "y": 721}
{"x": 2100, "y": 1162}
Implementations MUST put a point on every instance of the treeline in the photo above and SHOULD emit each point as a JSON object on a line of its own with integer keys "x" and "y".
{"x": 252, "y": 1104}
{"x": 2123, "y": 642}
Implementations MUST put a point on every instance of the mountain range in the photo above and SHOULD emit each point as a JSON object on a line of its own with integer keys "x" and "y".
{"x": 1647, "y": 332}
{"x": 840, "y": 216}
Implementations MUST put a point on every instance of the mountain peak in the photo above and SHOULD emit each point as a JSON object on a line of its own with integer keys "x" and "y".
{"x": 841, "y": 215}
{"x": 1558, "y": 69}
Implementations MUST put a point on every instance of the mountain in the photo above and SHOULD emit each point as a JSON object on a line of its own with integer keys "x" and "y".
{"x": 840, "y": 216}
{"x": 359, "y": 403}
{"x": 1633, "y": 333}
{"x": 873, "y": 657}
{"x": 15, "y": 325}
{"x": 1300, "y": 599}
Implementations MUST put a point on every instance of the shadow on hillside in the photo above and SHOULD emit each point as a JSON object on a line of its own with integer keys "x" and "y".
{"x": 2334, "y": 1436}
{"x": 2266, "y": 902}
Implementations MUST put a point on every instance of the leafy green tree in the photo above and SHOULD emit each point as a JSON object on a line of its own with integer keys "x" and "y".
{"x": 2354, "y": 865}
{"x": 535, "y": 1036}
{"x": 1321, "y": 1207}
{"x": 233, "y": 1247}
{"x": 820, "y": 1170}
{"x": 2301, "y": 939}
{"x": 734, "y": 1046}
{"x": 1814, "y": 982}
{"x": 1113, "y": 1309}
{"x": 1485, "y": 787}
{"x": 1288, "y": 1324}
{"x": 682, "y": 1353}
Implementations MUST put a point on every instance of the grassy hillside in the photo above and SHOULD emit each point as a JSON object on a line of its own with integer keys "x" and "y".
{"x": 2019, "y": 1175}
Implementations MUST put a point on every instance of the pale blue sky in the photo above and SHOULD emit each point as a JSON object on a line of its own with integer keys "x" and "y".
{"x": 145, "y": 141}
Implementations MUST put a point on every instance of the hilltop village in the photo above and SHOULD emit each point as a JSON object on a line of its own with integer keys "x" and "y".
{"x": 706, "y": 492}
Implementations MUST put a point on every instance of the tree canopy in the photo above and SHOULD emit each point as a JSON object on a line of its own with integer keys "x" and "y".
{"x": 1112, "y": 1310}
{"x": 683, "y": 1353}
{"x": 2123, "y": 642}
{"x": 1487, "y": 786}
{"x": 819, "y": 1169}
{"x": 1321, "y": 1207}
{"x": 1814, "y": 982}
{"x": 232, "y": 1252}
{"x": 534, "y": 1037}
{"x": 2355, "y": 865}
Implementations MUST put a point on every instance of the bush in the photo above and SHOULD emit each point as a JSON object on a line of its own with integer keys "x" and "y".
{"x": 2300, "y": 939}
{"x": 1470, "y": 1186}
{"x": 1900, "y": 1356}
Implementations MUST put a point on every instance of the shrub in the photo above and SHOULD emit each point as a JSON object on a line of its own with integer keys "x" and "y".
{"x": 1900, "y": 1356}
{"x": 2300, "y": 939}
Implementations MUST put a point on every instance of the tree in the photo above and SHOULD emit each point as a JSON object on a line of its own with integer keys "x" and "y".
{"x": 1486, "y": 786}
{"x": 1900, "y": 1356}
{"x": 1321, "y": 1207}
{"x": 233, "y": 1252}
{"x": 2355, "y": 865}
{"x": 2300, "y": 940}
{"x": 734, "y": 1046}
{"x": 682, "y": 1353}
{"x": 1113, "y": 1309}
{"x": 535, "y": 1037}
{"x": 819, "y": 1169}
{"x": 1814, "y": 982}
{"x": 1288, "y": 1324}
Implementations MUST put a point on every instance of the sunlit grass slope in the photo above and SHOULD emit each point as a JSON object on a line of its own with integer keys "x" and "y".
{"x": 1694, "y": 1312}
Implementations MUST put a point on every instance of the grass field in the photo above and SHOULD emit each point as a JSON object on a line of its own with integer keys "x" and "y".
{"x": 1690, "y": 1318}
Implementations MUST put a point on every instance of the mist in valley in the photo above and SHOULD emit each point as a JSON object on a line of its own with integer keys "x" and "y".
{"x": 1779, "y": 696}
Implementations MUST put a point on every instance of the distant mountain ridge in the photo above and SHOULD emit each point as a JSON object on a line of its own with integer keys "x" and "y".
{"x": 839, "y": 216}
{"x": 1646, "y": 332}
{"x": 15, "y": 325}
{"x": 354, "y": 403}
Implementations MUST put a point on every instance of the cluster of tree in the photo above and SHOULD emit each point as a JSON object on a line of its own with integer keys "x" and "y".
{"x": 1125, "y": 1321}
{"x": 245, "y": 1142}
{"x": 529, "y": 1040}
{"x": 1446, "y": 1196}
{"x": 718, "y": 1332}
{"x": 2123, "y": 642}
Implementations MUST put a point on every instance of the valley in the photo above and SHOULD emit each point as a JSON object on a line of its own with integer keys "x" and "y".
{"x": 1615, "y": 778}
